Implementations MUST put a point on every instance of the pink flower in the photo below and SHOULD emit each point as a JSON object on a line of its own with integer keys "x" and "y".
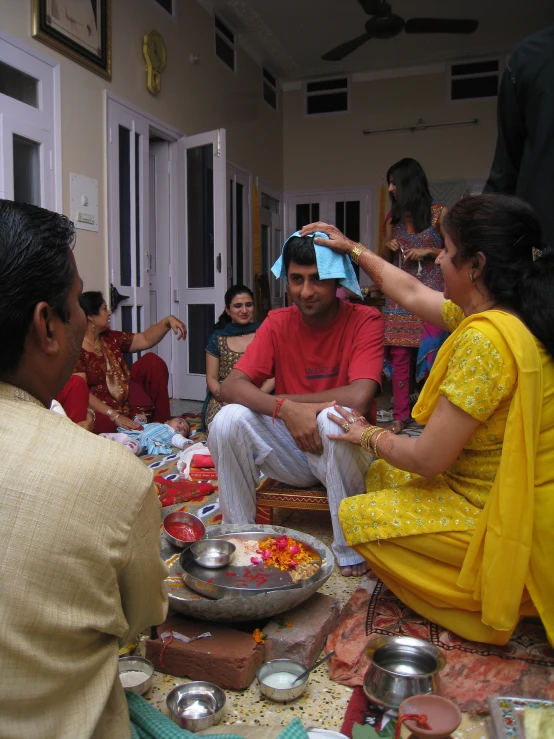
{"x": 282, "y": 543}
{"x": 266, "y": 554}
{"x": 294, "y": 549}
{"x": 255, "y": 560}
{"x": 293, "y": 564}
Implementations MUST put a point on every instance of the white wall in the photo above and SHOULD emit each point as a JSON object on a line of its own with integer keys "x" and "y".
{"x": 194, "y": 98}
{"x": 331, "y": 151}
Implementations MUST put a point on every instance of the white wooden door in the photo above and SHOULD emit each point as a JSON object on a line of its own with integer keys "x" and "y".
{"x": 239, "y": 255}
{"x": 157, "y": 253}
{"x": 202, "y": 255}
{"x": 128, "y": 228}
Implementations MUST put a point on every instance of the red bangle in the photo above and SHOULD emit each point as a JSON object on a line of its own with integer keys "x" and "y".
{"x": 276, "y": 410}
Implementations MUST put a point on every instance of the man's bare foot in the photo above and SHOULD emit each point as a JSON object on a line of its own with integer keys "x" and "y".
{"x": 354, "y": 570}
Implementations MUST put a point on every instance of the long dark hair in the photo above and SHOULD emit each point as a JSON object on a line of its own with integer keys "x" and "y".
{"x": 231, "y": 293}
{"x": 506, "y": 231}
{"x": 412, "y": 194}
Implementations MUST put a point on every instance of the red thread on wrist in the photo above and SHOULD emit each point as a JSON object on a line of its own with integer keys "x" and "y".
{"x": 276, "y": 410}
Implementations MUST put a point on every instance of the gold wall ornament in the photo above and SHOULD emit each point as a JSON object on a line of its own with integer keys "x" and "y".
{"x": 155, "y": 53}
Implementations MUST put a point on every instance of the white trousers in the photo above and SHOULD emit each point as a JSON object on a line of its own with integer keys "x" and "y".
{"x": 243, "y": 444}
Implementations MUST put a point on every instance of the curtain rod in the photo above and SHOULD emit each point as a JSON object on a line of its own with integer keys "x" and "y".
{"x": 421, "y": 126}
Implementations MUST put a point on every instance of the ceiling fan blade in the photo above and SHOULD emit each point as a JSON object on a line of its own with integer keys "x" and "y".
{"x": 339, "y": 52}
{"x": 441, "y": 25}
{"x": 375, "y": 7}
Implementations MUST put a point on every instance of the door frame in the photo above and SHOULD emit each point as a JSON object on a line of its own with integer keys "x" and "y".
{"x": 248, "y": 262}
{"x": 172, "y": 135}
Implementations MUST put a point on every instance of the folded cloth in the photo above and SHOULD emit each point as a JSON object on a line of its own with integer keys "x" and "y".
{"x": 148, "y": 723}
{"x": 202, "y": 460}
{"x": 330, "y": 265}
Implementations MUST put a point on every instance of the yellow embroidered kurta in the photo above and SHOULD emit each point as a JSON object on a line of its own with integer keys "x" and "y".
{"x": 480, "y": 382}
{"x": 472, "y": 549}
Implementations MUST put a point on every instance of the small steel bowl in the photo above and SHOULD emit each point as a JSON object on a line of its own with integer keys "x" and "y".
{"x": 400, "y": 668}
{"x": 282, "y": 695}
{"x": 196, "y": 706}
{"x": 182, "y": 517}
{"x": 137, "y": 664}
{"x": 212, "y": 553}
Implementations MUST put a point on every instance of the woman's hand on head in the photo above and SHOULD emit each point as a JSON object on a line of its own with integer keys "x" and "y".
{"x": 127, "y": 423}
{"x": 177, "y": 326}
{"x": 337, "y": 241}
{"x": 351, "y": 422}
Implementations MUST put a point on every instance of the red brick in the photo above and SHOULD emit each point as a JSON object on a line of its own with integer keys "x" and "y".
{"x": 229, "y": 658}
{"x": 311, "y": 622}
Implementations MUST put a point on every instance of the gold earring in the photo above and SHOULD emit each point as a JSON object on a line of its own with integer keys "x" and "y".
{"x": 94, "y": 327}
{"x": 472, "y": 278}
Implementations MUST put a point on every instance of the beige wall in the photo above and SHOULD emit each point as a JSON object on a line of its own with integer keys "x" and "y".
{"x": 194, "y": 98}
{"x": 331, "y": 151}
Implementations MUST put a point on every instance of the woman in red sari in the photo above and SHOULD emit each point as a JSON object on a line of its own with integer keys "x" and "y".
{"x": 118, "y": 393}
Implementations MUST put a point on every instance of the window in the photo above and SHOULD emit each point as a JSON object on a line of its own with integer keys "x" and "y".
{"x": 471, "y": 80}
{"x": 30, "y": 162}
{"x": 269, "y": 88}
{"x": 166, "y": 5}
{"x": 225, "y": 47}
{"x": 327, "y": 96}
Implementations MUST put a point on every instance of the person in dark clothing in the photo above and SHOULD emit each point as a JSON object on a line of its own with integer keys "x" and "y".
{"x": 524, "y": 159}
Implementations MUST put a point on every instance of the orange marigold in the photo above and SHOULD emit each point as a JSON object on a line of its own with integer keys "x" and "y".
{"x": 259, "y": 636}
{"x": 283, "y": 553}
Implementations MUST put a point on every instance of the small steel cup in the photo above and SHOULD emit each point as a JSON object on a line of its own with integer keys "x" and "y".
{"x": 212, "y": 553}
{"x": 183, "y": 517}
{"x": 196, "y": 706}
{"x": 282, "y": 695}
{"x": 138, "y": 664}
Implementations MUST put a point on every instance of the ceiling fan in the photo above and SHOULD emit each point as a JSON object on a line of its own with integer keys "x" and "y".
{"x": 384, "y": 24}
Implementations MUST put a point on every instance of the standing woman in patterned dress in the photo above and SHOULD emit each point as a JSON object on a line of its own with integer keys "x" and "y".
{"x": 414, "y": 237}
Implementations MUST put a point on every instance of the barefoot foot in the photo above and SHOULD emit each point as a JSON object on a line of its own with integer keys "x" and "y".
{"x": 354, "y": 570}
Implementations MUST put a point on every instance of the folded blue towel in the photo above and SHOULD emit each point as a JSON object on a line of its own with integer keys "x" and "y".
{"x": 330, "y": 265}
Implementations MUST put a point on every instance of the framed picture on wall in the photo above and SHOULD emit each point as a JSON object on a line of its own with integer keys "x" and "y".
{"x": 80, "y": 29}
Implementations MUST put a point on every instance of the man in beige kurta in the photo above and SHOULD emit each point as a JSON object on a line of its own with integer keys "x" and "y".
{"x": 80, "y": 567}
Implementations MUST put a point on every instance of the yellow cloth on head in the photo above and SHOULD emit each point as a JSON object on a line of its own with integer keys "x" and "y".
{"x": 513, "y": 544}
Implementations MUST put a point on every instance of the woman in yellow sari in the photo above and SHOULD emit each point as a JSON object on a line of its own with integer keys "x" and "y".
{"x": 459, "y": 522}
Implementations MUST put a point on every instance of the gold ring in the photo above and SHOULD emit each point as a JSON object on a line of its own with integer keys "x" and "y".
{"x": 346, "y": 427}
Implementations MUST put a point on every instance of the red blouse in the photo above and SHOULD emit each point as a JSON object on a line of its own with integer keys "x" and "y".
{"x": 94, "y": 367}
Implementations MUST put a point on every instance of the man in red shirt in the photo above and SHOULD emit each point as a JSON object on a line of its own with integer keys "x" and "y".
{"x": 320, "y": 350}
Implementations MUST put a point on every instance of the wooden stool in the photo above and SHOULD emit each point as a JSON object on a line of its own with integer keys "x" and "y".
{"x": 274, "y": 494}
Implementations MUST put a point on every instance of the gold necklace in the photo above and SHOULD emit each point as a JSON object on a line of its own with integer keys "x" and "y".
{"x": 97, "y": 347}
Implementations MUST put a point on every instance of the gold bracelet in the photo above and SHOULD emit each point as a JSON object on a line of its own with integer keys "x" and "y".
{"x": 356, "y": 252}
{"x": 365, "y": 438}
{"x": 383, "y": 431}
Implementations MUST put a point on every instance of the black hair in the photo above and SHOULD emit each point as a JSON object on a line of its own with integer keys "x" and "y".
{"x": 230, "y": 295}
{"x": 412, "y": 194}
{"x": 506, "y": 230}
{"x": 172, "y": 418}
{"x": 91, "y": 302}
{"x": 299, "y": 249}
{"x": 34, "y": 266}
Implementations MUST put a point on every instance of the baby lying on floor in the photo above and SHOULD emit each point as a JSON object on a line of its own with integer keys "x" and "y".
{"x": 154, "y": 438}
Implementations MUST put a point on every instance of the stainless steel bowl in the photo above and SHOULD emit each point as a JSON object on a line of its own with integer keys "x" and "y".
{"x": 137, "y": 664}
{"x": 401, "y": 667}
{"x": 182, "y": 517}
{"x": 196, "y": 706}
{"x": 212, "y": 553}
{"x": 282, "y": 665}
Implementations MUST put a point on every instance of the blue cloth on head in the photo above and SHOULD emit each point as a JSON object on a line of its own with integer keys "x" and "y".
{"x": 330, "y": 265}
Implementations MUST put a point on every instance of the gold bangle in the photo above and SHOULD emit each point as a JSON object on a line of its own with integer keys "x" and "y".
{"x": 383, "y": 431}
{"x": 365, "y": 438}
{"x": 356, "y": 252}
